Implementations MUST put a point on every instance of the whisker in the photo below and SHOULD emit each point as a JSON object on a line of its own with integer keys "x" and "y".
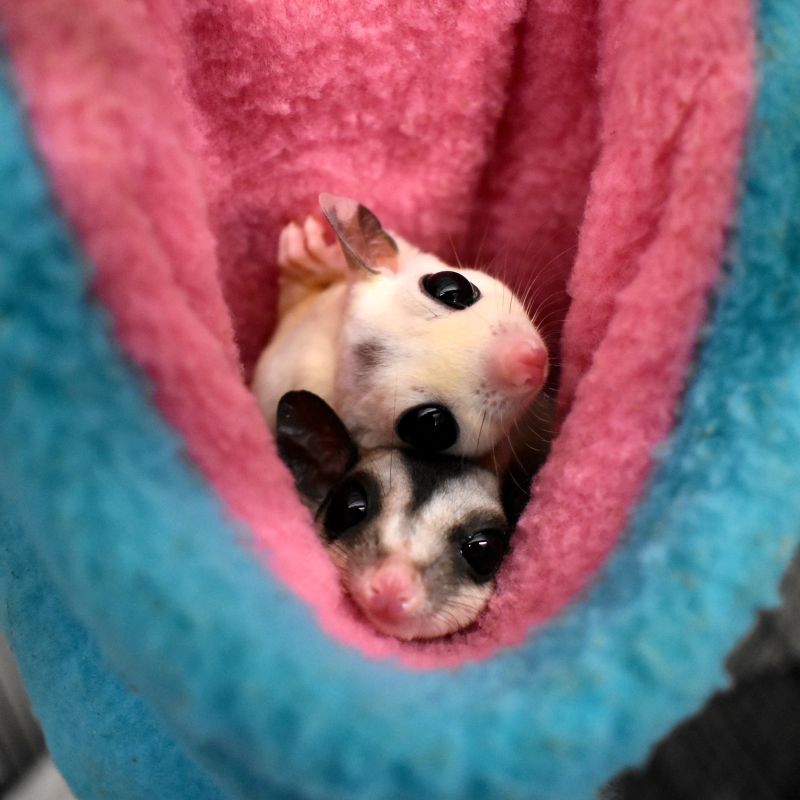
{"x": 511, "y": 446}
{"x": 455, "y": 252}
{"x": 480, "y": 431}
{"x": 481, "y": 245}
{"x": 551, "y": 318}
{"x": 544, "y": 302}
{"x": 394, "y": 417}
{"x": 494, "y": 459}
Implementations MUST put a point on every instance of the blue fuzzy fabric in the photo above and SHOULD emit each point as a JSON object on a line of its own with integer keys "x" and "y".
{"x": 165, "y": 664}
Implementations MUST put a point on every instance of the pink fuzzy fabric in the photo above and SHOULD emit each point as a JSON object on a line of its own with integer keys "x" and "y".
{"x": 564, "y": 140}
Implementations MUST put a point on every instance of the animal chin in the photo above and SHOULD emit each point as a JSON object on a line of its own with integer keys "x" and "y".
{"x": 391, "y": 596}
{"x": 423, "y": 623}
{"x": 486, "y": 425}
{"x": 417, "y": 627}
{"x": 409, "y": 628}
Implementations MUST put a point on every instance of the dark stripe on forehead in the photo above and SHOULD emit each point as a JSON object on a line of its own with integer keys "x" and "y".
{"x": 426, "y": 473}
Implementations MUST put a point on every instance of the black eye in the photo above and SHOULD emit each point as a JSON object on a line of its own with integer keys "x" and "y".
{"x": 451, "y": 289}
{"x": 429, "y": 428}
{"x": 484, "y": 551}
{"x": 347, "y": 507}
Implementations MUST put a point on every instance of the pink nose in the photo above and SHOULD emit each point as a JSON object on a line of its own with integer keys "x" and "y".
{"x": 393, "y": 591}
{"x": 520, "y": 363}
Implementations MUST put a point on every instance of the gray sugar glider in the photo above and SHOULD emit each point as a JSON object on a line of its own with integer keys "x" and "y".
{"x": 417, "y": 537}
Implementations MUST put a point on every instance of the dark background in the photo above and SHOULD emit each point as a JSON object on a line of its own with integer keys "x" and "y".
{"x": 745, "y": 743}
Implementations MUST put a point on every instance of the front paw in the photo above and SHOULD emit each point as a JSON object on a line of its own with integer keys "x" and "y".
{"x": 304, "y": 257}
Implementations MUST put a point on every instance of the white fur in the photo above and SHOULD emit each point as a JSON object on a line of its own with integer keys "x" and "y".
{"x": 436, "y": 354}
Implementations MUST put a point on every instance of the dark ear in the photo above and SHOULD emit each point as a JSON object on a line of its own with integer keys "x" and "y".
{"x": 314, "y": 443}
{"x": 365, "y": 243}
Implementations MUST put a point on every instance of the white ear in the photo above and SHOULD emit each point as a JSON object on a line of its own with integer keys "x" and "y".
{"x": 364, "y": 242}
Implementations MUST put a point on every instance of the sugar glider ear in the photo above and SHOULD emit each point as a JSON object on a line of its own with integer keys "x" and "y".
{"x": 365, "y": 243}
{"x": 314, "y": 444}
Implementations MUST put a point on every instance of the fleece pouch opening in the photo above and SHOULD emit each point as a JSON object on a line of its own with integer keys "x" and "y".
{"x": 175, "y": 622}
{"x": 589, "y": 151}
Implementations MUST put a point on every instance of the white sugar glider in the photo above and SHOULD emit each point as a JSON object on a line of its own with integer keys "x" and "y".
{"x": 417, "y": 537}
{"x": 401, "y": 345}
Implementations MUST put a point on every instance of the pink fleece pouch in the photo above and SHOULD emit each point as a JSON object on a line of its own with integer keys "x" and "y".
{"x": 575, "y": 145}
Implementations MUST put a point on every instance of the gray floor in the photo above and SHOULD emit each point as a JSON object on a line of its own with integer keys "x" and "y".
{"x": 744, "y": 744}
{"x": 20, "y": 739}
{"x": 774, "y": 642}
{"x": 42, "y": 782}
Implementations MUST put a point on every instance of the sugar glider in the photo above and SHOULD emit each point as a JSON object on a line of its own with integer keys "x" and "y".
{"x": 404, "y": 347}
{"x": 417, "y": 537}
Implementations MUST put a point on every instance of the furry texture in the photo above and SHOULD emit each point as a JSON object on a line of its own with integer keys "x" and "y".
{"x": 181, "y": 135}
{"x": 121, "y": 569}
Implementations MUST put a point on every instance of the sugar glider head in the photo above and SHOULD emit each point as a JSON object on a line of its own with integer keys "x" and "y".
{"x": 445, "y": 360}
{"x": 417, "y": 538}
